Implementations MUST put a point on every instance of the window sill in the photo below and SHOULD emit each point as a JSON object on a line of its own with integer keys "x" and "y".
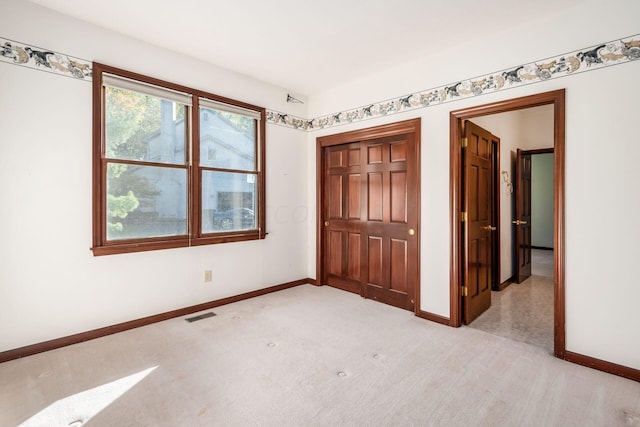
{"x": 239, "y": 236}
{"x": 142, "y": 246}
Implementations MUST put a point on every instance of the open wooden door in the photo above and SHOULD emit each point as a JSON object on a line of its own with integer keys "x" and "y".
{"x": 370, "y": 213}
{"x": 477, "y": 182}
{"x": 522, "y": 221}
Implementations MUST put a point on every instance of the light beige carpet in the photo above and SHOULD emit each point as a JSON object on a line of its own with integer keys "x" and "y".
{"x": 309, "y": 356}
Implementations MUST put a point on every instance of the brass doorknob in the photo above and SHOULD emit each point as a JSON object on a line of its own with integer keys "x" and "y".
{"x": 412, "y": 232}
{"x": 489, "y": 228}
{"x": 326, "y": 223}
{"x": 518, "y": 222}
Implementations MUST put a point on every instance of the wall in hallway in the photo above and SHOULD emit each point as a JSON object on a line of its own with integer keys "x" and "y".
{"x": 542, "y": 200}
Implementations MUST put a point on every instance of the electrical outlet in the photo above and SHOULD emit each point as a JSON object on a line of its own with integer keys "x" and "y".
{"x": 208, "y": 276}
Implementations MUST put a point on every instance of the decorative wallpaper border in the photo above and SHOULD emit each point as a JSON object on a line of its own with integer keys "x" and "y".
{"x": 44, "y": 60}
{"x": 588, "y": 59}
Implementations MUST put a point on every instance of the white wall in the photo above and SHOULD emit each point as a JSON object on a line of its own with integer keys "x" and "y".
{"x": 542, "y": 200}
{"x": 50, "y": 283}
{"x": 601, "y": 317}
{"x": 527, "y": 129}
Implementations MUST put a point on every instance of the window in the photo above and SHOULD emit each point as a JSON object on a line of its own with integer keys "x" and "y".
{"x": 173, "y": 166}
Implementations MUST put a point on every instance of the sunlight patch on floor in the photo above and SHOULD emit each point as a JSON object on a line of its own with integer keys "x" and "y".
{"x": 77, "y": 409}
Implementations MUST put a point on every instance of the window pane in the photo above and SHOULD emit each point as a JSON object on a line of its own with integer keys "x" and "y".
{"x": 145, "y": 201}
{"x": 142, "y": 127}
{"x": 227, "y": 140}
{"x": 229, "y": 201}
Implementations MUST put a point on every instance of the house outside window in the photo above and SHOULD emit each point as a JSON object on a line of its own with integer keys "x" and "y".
{"x": 166, "y": 176}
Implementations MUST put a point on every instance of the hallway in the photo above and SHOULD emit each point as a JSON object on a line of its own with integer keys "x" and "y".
{"x": 524, "y": 312}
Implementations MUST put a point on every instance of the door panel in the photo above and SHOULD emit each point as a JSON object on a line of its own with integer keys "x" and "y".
{"x": 336, "y": 159}
{"x": 335, "y": 201}
{"x": 375, "y": 196}
{"x": 335, "y": 251}
{"x": 399, "y": 152}
{"x": 354, "y": 156}
{"x": 477, "y": 190}
{"x": 399, "y": 265}
{"x": 374, "y": 154}
{"x": 354, "y": 251}
{"x": 473, "y": 193}
{"x": 523, "y": 216}
{"x": 369, "y": 198}
{"x": 398, "y": 197}
{"x": 484, "y": 202}
{"x": 354, "y": 196}
{"x": 375, "y": 261}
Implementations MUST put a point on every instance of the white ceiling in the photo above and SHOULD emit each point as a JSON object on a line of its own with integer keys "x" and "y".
{"x": 302, "y": 45}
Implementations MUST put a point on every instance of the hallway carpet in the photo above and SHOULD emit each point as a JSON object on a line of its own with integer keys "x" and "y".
{"x": 309, "y": 356}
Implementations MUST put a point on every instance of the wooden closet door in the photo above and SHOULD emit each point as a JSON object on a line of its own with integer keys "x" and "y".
{"x": 370, "y": 198}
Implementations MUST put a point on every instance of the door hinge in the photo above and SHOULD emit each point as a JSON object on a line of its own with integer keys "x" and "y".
{"x": 463, "y": 291}
{"x": 464, "y": 142}
{"x": 463, "y": 216}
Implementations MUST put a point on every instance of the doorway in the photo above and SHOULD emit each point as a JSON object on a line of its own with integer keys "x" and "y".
{"x": 368, "y": 189}
{"x": 457, "y": 203}
{"x": 523, "y": 309}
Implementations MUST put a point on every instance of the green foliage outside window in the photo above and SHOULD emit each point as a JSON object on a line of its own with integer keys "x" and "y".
{"x": 131, "y": 119}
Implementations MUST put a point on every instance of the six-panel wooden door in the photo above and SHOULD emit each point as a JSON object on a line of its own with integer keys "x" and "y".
{"x": 478, "y": 229}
